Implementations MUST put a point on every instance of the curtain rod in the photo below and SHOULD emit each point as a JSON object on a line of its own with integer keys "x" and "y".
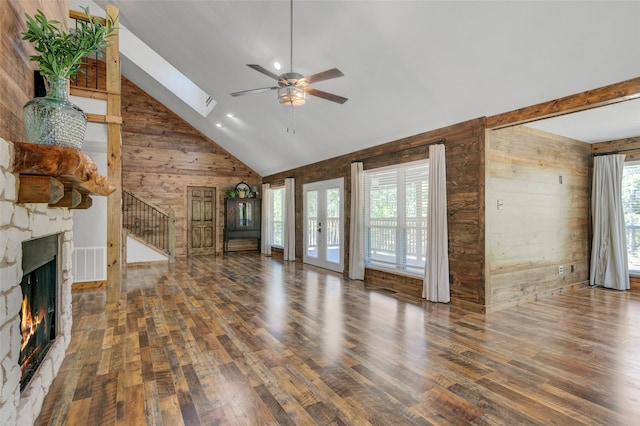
{"x": 598, "y": 154}
{"x": 437, "y": 142}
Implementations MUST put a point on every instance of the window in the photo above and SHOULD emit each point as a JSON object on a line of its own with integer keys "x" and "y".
{"x": 277, "y": 209}
{"x": 631, "y": 208}
{"x": 395, "y": 205}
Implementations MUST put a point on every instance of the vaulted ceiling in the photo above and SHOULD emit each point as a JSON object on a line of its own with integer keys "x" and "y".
{"x": 410, "y": 66}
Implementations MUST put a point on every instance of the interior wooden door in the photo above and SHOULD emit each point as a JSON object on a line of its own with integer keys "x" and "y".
{"x": 201, "y": 220}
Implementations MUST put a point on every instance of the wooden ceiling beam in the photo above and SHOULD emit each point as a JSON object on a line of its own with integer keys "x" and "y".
{"x": 607, "y": 95}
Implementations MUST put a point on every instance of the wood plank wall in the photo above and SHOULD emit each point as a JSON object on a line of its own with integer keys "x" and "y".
{"x": 631, "y": 144}
{"x": 163, "y": 155}
{"x": 543, "y": 222}
{"x": 465, "y": 201}
{"x": 16, "y": 70}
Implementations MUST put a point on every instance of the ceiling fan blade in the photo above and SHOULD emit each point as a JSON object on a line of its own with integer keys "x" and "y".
{"x": 264, "y": 71}
{"x": 326, "y": 95}
{"x": 324, "y": 75}
{"x": 252, "y": 91}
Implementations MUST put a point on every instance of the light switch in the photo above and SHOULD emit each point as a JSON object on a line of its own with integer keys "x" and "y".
{"x": 500, "y": 204}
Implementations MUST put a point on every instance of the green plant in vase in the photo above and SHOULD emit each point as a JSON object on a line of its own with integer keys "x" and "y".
{"x": 53, "y": 120}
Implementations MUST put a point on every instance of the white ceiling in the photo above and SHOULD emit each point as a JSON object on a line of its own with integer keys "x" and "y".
{"x": 410, "y": 66}
{"x": 611, "y": 122}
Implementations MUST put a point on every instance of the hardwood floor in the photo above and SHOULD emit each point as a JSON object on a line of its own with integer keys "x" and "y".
{"x": 244, "y": 339}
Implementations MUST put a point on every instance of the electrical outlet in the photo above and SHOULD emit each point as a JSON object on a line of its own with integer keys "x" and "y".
{"x": 561, "y": 269}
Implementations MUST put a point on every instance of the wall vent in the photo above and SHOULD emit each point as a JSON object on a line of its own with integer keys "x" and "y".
{"x": 89, "y": 264}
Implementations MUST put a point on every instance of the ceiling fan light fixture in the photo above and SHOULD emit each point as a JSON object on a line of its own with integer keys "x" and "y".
{"x": 291, "y": 95}
{"x": 292, "y": 86}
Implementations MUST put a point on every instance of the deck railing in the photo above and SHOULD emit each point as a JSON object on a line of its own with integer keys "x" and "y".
{"x": 331, "y": 227}
{"x": 633, "y": 247}
{"x": 393, "y": 246}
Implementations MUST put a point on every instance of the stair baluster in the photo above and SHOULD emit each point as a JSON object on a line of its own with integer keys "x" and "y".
{"x": 149, "y": 223}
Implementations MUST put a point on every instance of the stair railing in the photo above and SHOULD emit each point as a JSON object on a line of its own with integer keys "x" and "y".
{"x": 149, "y": 223}
{"x": 93, "y": 69}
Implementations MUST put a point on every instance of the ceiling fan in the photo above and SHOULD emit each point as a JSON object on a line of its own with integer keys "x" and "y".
{"x": 293, "y": 87}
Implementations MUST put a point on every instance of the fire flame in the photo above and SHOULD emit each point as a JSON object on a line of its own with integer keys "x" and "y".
{"x": 28, "y": 324}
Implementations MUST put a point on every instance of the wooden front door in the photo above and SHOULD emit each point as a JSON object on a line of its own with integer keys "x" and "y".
{"x": 201, "y": 220}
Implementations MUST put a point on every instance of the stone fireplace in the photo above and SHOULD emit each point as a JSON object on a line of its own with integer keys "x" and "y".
{"x": 39, "y": 308}
{"x": 20, "y": 223}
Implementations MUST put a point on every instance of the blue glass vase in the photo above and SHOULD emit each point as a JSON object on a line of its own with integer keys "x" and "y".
{"x": 53, "y": 120}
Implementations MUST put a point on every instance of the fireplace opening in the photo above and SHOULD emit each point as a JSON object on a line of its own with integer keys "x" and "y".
{"x": 38, "y": 312}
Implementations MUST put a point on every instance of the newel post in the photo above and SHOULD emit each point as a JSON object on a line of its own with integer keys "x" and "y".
{"x": 172, "y": 235}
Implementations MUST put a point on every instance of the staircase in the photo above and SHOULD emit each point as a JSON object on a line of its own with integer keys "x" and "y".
{"x": 148, "y": 224}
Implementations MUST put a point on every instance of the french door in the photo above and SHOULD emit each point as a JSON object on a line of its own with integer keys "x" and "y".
{"x": 324, "y": 224}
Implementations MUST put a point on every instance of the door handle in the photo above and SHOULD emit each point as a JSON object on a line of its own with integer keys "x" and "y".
{"x": 319, "y": 227}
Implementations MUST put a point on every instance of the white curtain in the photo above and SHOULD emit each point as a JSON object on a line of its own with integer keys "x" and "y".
{"x": 436, "y": 271}
{"x": 289, "y": 219}
{"x": 356, "y": 232}
{"x": 267, "y": 220}
{"x": 609, "y": 266}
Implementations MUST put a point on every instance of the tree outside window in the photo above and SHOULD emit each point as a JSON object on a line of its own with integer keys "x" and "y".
{"x": 396, "y": 200}
{"x": 631, "y": 208}
{"x": 277, "y": 208}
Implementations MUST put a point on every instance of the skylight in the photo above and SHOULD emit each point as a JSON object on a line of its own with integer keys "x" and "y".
{"x": 156, "y": 66}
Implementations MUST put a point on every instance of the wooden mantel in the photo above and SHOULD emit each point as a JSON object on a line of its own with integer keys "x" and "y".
{"x": 56, "y": 175}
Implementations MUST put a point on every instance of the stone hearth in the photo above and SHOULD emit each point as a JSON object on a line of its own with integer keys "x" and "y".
{"x": 18, "y": 223}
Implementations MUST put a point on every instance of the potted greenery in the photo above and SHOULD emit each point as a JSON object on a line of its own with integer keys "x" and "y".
{"x": 53, "y": 120}
{"x": 243, "y": 193}
{"x": 230, "y": 193}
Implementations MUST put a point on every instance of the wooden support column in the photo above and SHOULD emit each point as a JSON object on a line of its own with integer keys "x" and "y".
{"x": 114, "y": 164}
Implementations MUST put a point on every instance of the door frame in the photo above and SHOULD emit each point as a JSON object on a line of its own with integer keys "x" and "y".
{"x": 188, "y": 214}
{"x": 321, "y": 261}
